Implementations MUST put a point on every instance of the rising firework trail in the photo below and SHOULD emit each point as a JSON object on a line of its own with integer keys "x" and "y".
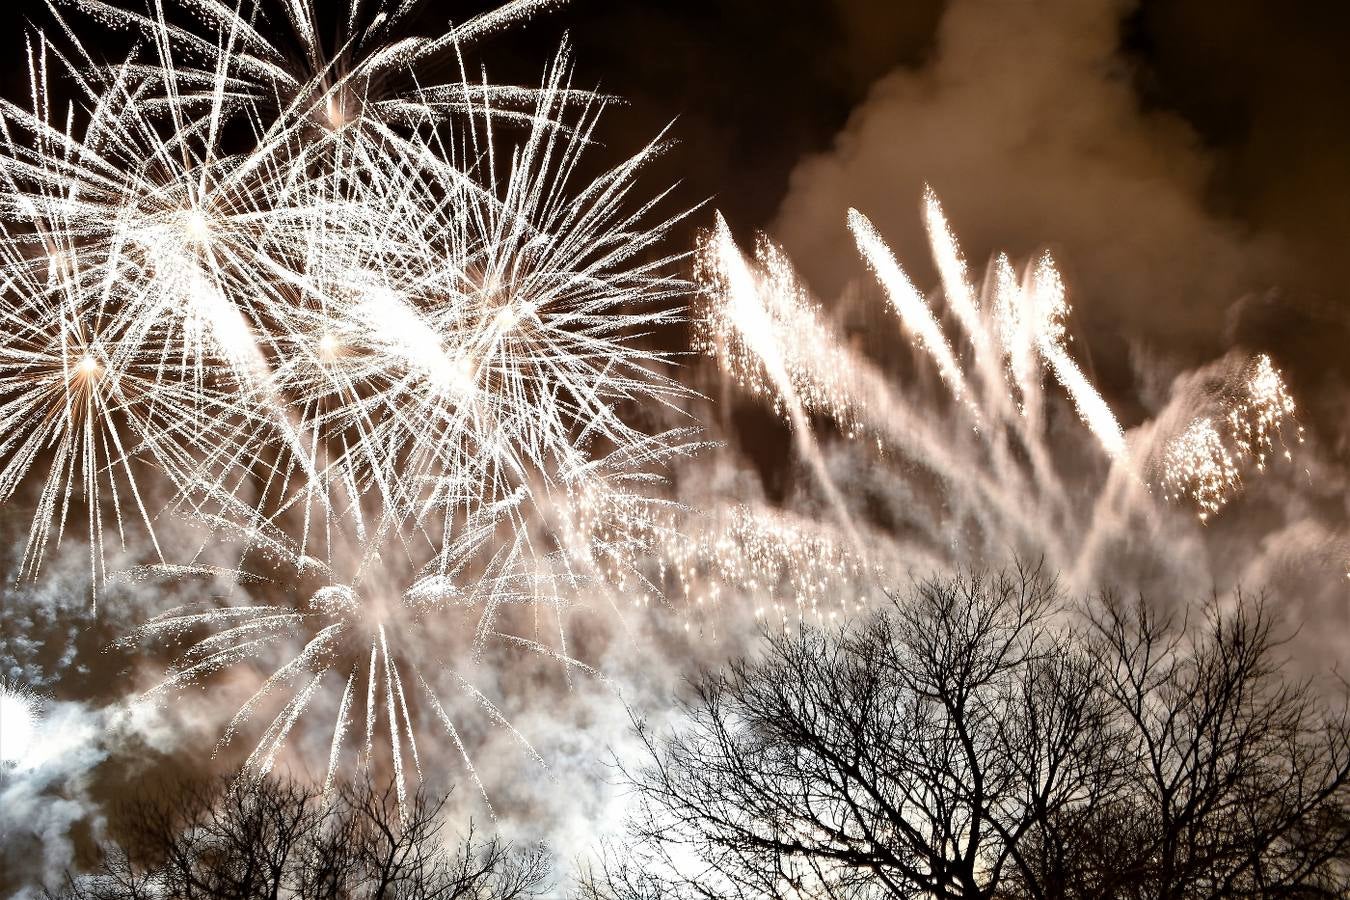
{"x": 1002, "y": 485}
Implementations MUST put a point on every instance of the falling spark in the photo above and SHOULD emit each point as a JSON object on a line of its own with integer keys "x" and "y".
{"x": 1197, "y": 465}
{"x": 1258, "y": 417}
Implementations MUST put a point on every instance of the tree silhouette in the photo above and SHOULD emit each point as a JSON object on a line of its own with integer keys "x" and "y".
{"x": 246, "y": 839}
{"x": 978, "y": 739}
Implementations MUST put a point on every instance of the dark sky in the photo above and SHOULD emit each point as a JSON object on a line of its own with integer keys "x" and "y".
{"x": 1189, "y": 160}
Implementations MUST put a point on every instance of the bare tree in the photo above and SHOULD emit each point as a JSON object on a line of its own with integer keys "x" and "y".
{"x": 244, "y": 839}
{"x": 973, "y": 741}
{"x": 1237, "y": 776}
{"x": 912, "y": 755}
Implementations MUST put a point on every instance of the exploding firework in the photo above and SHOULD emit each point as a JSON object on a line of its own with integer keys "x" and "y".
{"x": 389, "y": 367}
{"x": 359, "y": 619}
{"x": 20, "y": 712}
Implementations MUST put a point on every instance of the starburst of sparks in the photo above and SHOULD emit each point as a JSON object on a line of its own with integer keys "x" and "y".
{"x": 378, "y": 337}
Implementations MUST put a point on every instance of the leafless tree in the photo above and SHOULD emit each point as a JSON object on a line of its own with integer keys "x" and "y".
{"x": 978, "y": 739}
{"x": 1237, "y": 777}
{"x": 245, "y": 839}
{"x": 911, "y": 755}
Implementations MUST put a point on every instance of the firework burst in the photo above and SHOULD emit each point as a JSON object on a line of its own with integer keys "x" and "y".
{"x": 384, "y": 348}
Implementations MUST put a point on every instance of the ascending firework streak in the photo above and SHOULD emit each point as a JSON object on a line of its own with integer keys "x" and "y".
{"x": 380, "y": 341}
{"x": 1001, "y": 486}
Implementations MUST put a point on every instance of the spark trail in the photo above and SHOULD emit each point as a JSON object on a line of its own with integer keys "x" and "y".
{"x": 1001, "y": 485}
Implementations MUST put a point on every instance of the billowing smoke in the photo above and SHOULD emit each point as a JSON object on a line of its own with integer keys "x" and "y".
{"x": 1027, "y": 123}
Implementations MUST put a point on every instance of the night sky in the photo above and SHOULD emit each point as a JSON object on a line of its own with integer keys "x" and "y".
{"x": 1186, "y": 161}
{"x": 1204, "y": 208}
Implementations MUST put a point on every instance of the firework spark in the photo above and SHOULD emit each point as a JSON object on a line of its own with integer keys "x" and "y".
{"x": 1259, "y": 417}
{"x": 1198, "y": 466}
{"x": 1203, "y": 465}
{"x": 1001, "y": 485}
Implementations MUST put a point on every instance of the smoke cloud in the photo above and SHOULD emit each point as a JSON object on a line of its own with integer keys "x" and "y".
{"x": 1026, "y": 122}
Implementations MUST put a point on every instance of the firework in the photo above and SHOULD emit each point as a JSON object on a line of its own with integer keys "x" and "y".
{"x": 1000, "y": 485}
{"x": 358, "y": 619}
{"x": 20, "y": 713}
{"x": 1258, "y": 418}
{"x": 1198, "y": 465}
{"x": 1203, "y": 464}
{"x": 906, "y": 301}
{"x": 390, "y": 367}
{"x": 759, "y": 322}
{"x": 324, "y": 313}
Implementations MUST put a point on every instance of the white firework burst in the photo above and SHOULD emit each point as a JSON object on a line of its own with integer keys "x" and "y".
{"x": 390, "y": 353}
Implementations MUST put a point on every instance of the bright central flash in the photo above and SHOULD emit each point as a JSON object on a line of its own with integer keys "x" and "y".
{"x": 197, "y": 227}
{"x": 18, "y": 712}
{"x": 88, "y": 366}
{"x": 328, "y": 345}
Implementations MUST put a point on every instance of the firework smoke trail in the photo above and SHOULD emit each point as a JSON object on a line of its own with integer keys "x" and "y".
{"x": 1049, "y": 309}
{"x": 754, "y": 326}
{"x": 1000, "y": 407}
{"x": 918, "y": 319}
